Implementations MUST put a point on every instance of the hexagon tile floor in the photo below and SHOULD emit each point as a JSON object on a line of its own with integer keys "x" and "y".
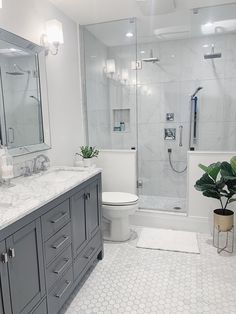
{"x": 130, "y": 280}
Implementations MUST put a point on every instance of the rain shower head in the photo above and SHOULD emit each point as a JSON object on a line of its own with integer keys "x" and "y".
{"x": 15, "y": 73}
{"x": 212, "y": 54}
{"x": 151, "y": 59}
{"x": 17, "y": 70}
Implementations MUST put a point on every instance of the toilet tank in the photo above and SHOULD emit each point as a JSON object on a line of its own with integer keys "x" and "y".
{"x": 119, "y": 170}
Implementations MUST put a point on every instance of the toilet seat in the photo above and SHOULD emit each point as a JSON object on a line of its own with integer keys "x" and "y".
{"x": 119, "y": 198}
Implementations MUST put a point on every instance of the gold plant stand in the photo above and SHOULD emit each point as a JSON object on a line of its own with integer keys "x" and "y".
{"x": 227, "y": 247}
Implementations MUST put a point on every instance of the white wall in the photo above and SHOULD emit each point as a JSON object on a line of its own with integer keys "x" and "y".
{"x": 27, "y": 18}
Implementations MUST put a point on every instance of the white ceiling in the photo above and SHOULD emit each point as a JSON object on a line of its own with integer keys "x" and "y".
{"x": 169, "y": 19}
{"x": 96, "y": 11}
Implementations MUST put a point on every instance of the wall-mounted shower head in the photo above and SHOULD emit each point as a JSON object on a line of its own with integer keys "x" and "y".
{"x": 196, "y": 91}
{"x": 151, "y": 59}
{"x": 212, "y": 54}
{"x": 35, "y": 98}
{"x": 17, "y": 70}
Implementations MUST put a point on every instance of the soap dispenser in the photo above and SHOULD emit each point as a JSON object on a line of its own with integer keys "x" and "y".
{"x": 6, "y": 165}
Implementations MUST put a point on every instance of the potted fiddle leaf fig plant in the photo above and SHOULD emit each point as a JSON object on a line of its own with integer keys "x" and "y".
{"x": 219, "y": 182}
{"x": 88, "y": 152}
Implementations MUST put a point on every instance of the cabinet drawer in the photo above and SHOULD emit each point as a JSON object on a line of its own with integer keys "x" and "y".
{"x": 57, "y": 243}
{"x": 88, "y": 252}
{"x": 56, "y": 218}
{"x": 41, "y": 309}
{"x": 61, "y": 292}
{"x": 58, "y": 267}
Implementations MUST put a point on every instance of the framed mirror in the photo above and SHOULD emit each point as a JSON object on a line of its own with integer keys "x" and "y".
{"x": 24, "y": 114}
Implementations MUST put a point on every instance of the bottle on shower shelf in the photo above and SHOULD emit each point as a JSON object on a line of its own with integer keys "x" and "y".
{"x": 122, "y": 126}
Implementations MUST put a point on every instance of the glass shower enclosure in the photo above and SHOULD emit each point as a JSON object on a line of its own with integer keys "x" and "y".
{"x": 165, "y": 91}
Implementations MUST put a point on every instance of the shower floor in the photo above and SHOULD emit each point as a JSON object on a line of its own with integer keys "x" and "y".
{"x": 173, "y": 204}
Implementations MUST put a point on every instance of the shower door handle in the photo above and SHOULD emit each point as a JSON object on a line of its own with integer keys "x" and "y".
{"x": 11, "y": 135}
{"x": 181, "y": 135}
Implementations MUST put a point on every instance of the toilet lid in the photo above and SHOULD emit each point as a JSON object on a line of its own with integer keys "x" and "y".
{"x": 118, "y": 198}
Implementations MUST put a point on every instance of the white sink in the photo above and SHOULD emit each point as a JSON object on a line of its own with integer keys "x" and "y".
{"x": 58, "y": 175}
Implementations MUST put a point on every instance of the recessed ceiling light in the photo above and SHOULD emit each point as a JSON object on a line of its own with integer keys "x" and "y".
{"x": 142, "y": 51}
{"x": 129, "y": 35}
{"x": 205, "y": 46}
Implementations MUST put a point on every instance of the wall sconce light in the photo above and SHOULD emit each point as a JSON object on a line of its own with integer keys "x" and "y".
{"x": 53, "y": 37}
{"x": 110, "y": 68}
{"x": 125, "y": 76}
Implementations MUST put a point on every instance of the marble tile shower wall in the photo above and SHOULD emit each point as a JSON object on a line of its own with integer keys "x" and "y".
{"x": 122, "y": 95}
{"x": 97, "y": 91}
{"x": 166, "y": 87}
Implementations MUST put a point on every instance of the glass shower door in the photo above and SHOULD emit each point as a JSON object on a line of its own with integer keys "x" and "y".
{"x": 163, "y": 126}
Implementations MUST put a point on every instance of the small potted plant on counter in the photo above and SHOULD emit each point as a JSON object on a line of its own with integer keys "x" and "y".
{"x": 88, "y": 153}
{"x": 219, "y": 182}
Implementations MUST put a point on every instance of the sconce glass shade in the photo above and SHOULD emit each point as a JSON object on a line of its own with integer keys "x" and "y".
{"x": 110, "y": 66}
{"x": 54, "y": 32}
{"x": 125, "y": 75}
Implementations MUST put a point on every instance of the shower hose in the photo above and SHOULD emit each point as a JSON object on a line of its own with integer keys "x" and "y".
{"x": 172, "y": 167}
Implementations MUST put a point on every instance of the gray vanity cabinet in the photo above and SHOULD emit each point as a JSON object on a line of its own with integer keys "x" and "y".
{"x": 25, "y": 267}
{"x": 5, "y": 303}
{"x": 44, "y": 255}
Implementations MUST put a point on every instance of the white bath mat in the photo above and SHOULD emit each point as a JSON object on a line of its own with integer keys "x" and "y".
{"x": 168, "y": 240}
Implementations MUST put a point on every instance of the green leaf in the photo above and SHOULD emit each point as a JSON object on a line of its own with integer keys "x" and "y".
{"x": 233, "y": 164}
{"x": 204, "y": 168}
{"x": 212, "y": 194}
{"x": 226, "y": 170}
{"x": 212, "y": 170}
{"x": 205, "y": 183}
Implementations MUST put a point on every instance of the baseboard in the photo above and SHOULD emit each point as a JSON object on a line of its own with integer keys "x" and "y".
{"x": 167, "y": 221}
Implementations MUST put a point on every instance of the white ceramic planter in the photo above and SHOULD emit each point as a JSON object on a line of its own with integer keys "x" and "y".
{"x": 88, "y": 162}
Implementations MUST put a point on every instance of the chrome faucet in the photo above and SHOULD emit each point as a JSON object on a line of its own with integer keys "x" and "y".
{"x": 44, "y": 163}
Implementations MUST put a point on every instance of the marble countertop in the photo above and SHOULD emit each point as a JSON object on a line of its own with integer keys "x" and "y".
{"x": 30, "y": 193}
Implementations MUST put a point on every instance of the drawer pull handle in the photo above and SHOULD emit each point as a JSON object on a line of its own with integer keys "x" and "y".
{"x": 58, "y": 245}
{"x": 11, "y": 253}
{"x": 4, "y": 258}
{"x": 60, "y": 295}
{"x": 87, "y": 256}
{"x": 62, "y": 216}
{"x": 67, "y": 262}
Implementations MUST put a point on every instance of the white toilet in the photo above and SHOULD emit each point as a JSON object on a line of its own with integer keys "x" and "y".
{"x": 116, "y": 208}
{"x": 119, "y": 199}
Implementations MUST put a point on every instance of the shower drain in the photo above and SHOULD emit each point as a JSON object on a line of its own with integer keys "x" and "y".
{"x": 177, "y": 207}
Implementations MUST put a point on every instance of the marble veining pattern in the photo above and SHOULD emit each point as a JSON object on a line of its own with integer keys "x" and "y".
{"x": 30, "y": 193}
{"x": 137, "y": 281}
{"x": 162, "y": 203}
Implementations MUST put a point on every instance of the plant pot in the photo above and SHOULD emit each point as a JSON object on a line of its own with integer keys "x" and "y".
{"x": 223, "y": 222}
{"x": 87, "y": 162}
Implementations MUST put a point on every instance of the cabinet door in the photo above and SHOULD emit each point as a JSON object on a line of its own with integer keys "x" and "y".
{"x": 5, "y": 305}
{"x": 79, "y": 232}
{"x": 25, "y": 267}
{"x": 93, "y": 208}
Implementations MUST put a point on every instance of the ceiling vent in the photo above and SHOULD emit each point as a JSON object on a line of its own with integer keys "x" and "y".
{"x": 171, "y": 33}
{"x": 156, "y": 7}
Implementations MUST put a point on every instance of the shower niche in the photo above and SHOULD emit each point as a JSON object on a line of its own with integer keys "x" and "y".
{"x": 121, "y": 120}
